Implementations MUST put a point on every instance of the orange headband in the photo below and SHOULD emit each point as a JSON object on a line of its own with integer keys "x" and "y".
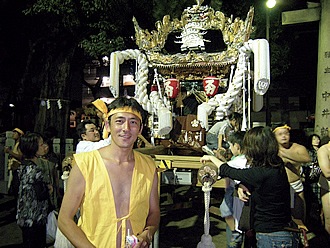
{"x": 285, "y": 126}
{"x": 125, "y": 109}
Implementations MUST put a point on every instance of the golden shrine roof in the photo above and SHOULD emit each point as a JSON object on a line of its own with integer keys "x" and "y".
{"x": 234, "y": 31}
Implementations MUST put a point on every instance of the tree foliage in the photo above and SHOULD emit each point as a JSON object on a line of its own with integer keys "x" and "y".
{"x": 98, "y": 26}
{"x": 64, "y": 35}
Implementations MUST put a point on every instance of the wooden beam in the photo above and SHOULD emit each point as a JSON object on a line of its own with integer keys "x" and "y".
{"x": 184, "y": 162}
{"x": 301, "y": 16}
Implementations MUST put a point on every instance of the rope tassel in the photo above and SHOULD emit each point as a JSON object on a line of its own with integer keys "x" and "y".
{"x": 206, "y": 240}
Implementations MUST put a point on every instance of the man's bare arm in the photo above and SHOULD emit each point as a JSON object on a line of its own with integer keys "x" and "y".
{"x": 295, "y": 154}
{"x": 70, "y": 204}
{"x": 323, "y": 156}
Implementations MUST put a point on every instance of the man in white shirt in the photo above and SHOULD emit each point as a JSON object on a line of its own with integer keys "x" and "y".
{"x": 90, "y": 137}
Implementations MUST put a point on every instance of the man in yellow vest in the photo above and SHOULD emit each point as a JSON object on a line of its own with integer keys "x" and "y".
{"x": 115, "y": 187}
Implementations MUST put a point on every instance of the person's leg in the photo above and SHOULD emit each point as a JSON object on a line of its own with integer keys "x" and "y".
{"x": 37, "y": 236}
{"x": 230, "y": 222}
{"x": 228, "y": 236}
{"x": 250, "y": 239}
{"x": 298, "y": 212}
{"x": 25, "y": 236}
{"x": 211, "y": 141}
{"x": 227, "y": 215}
{"x": 236, "y": 240}
{"x": 34, "y": 237}
{"x": 226, "y": 211}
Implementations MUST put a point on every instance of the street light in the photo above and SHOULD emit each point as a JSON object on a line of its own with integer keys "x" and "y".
{"x": 269, "y": 4}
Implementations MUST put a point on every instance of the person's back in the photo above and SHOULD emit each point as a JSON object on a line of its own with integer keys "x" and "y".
{"x": 216, "y": 137}
{"x": 273, "y": 213}
{"x": 270, "y": 198}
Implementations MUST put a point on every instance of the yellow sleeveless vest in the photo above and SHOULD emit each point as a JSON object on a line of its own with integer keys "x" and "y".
{"x": 98, "y": 218}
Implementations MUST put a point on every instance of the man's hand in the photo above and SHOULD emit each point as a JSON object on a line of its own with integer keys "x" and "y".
{"x": 144, "y": 239}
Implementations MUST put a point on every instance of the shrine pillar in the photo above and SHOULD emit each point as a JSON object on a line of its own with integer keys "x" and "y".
{"x": 322, "y": 109}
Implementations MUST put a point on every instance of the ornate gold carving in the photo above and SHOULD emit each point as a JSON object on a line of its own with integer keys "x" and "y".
{"x": 235, "y": 32}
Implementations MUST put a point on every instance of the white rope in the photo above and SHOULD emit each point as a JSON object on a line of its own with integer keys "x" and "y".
{"x": 206, "y": 240}
{"x": 60, "y": 240}
{"x": 207, "y": 189}
{"x": 65, "y": 178}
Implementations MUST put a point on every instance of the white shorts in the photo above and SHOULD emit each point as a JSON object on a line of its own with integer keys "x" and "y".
{"x": 295, "y": 187}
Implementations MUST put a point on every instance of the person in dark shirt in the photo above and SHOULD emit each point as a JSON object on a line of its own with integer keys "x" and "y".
{"x": 268, "y": 186}
{"x": 33, "y": 194}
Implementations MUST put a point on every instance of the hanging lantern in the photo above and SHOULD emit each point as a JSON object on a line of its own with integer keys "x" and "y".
{"x": 172, "y": 87}
{"x": 211, "y": 85}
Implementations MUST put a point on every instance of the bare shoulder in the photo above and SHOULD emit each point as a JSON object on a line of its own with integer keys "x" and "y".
{"x": 296, "y": 146}
{"x": 324, "y": 149}
{"x": 105, "y": 152}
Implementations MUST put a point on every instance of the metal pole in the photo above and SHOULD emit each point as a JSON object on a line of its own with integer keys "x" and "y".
{"x": 267, "y": 24}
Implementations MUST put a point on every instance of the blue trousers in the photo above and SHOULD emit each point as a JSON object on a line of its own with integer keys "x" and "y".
{"x": 281, "y": 239}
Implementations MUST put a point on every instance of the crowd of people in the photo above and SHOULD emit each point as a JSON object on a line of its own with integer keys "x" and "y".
{"x": 112, "y": 198}
{"x": 101, "y": 167}
{"x": 286, "y": 185}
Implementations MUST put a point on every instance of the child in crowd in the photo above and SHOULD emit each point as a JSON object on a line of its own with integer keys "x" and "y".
{"x": 238, "y": 160}
{"x": 216, "y": 137}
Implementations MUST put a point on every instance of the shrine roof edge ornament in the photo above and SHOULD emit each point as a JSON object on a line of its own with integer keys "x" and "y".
{"x": 234, "y": 31}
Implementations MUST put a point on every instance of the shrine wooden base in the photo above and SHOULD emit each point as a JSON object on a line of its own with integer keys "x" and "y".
{"x": 165, "y": 162}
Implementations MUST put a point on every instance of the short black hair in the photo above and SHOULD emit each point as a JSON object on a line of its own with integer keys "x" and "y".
{"x": 124, "y": 101}
{"x": 281, "y": 124}
{"x": 81, "y": 127}
{"x": 235, "y": 116}
{"x": 236, "y": 138}
{"x": 29, "y": 144}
